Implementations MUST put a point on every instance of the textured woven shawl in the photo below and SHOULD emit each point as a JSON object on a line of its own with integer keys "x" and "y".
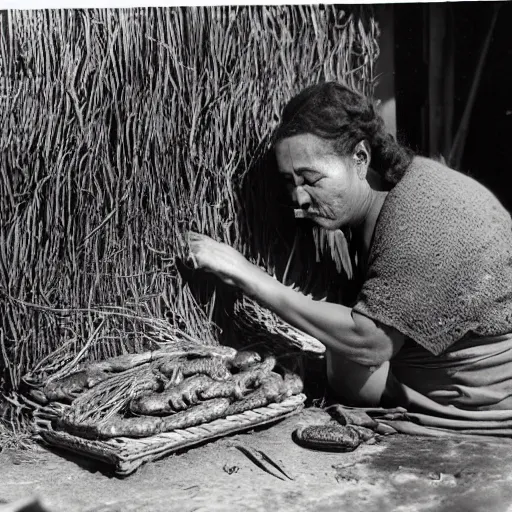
{"x": 440, "y": 264}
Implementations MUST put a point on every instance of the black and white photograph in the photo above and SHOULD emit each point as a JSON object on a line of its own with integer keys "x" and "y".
{"x": 255, "y": 256}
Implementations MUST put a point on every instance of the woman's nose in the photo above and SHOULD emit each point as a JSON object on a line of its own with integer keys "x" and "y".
{"x": 302, "y": 198}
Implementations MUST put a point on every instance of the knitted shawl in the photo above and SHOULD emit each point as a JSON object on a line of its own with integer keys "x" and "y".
{"x": 440, "y": 263}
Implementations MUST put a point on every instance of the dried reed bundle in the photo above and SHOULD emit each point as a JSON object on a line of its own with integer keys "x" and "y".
{"x": 261, "y": 326}
{"x": 122, "y": 129}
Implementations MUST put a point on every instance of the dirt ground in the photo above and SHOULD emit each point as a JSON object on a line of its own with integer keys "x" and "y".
{"x": 400, "y": 473}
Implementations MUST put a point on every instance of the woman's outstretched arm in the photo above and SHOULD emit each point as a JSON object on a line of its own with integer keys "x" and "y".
{"x": 354, "y": 336}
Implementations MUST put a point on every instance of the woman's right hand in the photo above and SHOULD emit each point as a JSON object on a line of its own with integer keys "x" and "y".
{"x": 220, "y": 259}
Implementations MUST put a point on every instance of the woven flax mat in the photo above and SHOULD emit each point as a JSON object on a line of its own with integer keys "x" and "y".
{"x": 127, "y": 454}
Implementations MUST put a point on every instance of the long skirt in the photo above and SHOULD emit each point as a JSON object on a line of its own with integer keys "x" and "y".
{"x": 467, "y": 389}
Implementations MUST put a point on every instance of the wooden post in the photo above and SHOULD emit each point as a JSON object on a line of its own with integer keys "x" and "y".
{"x": 385, "y": 66}
{"x": 440, "y": 80}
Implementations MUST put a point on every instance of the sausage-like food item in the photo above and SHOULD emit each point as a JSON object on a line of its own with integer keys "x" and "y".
{"x": 117, "y": 426}
{"x": 292, "y": 385}
{"x": 244, "y": 359}
{"x": 69, "y": 387}
{"x": 205, "y": 412}
{"x": 236, "y": 388}
{"x": 127, "y": 361}
{"x": 269, "y": 391}
{"x": 173, "y": 399}
{"x": 214, "y": 367}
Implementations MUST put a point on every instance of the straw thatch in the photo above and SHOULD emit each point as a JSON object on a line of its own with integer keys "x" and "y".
{"x": 122, "y": 129}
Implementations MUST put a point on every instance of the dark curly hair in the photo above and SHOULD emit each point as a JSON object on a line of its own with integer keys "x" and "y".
{"x": 335, "y": 112}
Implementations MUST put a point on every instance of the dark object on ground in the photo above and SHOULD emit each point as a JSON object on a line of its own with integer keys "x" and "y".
{"x": 24, "y": 505}
{"x": 332, "y": 437}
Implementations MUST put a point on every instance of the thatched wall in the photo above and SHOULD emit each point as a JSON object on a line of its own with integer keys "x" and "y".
{"x": 122, "y": 129}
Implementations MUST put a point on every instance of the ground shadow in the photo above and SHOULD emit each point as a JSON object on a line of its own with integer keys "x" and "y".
{"x": 88, "y": 464}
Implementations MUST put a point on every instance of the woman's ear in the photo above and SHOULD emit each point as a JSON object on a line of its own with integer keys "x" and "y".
{"x": 362, "y": 158}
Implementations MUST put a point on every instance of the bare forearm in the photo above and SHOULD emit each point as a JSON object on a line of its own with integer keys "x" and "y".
{"x": 333, "y": 324}
{"x": 354, "y": 336}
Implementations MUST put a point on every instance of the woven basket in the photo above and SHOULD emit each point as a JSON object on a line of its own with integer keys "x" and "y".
{"x": 126, "y": 455}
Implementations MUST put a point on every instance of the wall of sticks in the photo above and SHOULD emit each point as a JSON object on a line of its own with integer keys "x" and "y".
{"x": 122, "y": 129}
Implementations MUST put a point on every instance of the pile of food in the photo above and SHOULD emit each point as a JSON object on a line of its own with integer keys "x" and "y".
{"x": 145, "y": 394}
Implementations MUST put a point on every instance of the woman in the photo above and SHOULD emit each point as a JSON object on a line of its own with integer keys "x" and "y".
{"x": 432, "y": 326}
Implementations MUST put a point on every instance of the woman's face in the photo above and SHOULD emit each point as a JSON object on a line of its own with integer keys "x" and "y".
{"x": 325, "y": 185}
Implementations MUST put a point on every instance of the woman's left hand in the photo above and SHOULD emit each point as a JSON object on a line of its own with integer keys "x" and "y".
{"x": 219, "y": 259}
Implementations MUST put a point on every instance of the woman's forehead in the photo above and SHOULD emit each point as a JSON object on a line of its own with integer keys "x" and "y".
{"x": 301, "y": 151}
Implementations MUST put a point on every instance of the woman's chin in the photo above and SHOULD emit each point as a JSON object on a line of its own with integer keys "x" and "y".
{"x": 326, "y": 223}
